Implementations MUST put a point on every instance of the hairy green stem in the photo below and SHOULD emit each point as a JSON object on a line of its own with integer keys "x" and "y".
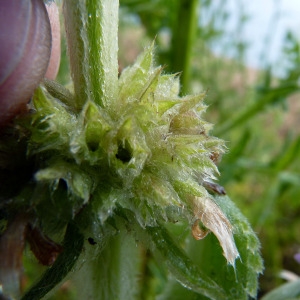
{"x": 92, "y": 31}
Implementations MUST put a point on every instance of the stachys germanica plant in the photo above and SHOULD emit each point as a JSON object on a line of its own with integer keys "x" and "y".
{"x": 116, "y": 163}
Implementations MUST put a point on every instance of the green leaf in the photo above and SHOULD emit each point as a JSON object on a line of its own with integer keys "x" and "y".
{"x": 111, "y": 266}
{"x": 243, "y": 280}
{"x": 237, "y": 282}
{"x": 181, "y": 267}
{"x": 72, "y": 247}
{"x": 287, "y": 291}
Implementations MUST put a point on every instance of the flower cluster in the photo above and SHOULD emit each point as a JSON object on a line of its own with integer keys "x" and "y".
{"x": 149, "y": 152}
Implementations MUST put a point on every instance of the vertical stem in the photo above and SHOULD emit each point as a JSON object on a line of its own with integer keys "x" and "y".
{"x": 92, "y": 36}
{"x": 183, "y": 37}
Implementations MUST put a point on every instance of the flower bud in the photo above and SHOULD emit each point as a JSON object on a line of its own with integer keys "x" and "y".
{"x": 24, "y": 53}
{"x": 54, "y": 62}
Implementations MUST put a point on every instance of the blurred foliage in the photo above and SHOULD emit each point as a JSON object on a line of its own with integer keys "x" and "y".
{"x": 254, "y": 110}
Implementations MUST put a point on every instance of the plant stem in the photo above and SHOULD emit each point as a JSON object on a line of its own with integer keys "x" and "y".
{"x": 92, "y": 35}
{"x": 184, "y": 33}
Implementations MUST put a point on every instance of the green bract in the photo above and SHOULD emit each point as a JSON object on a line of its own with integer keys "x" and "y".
{"x": 148, "y": 152}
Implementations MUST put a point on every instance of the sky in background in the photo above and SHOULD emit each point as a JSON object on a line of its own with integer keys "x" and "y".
{"x": 270, "y": 16}
{"x": 265, "y": 17}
